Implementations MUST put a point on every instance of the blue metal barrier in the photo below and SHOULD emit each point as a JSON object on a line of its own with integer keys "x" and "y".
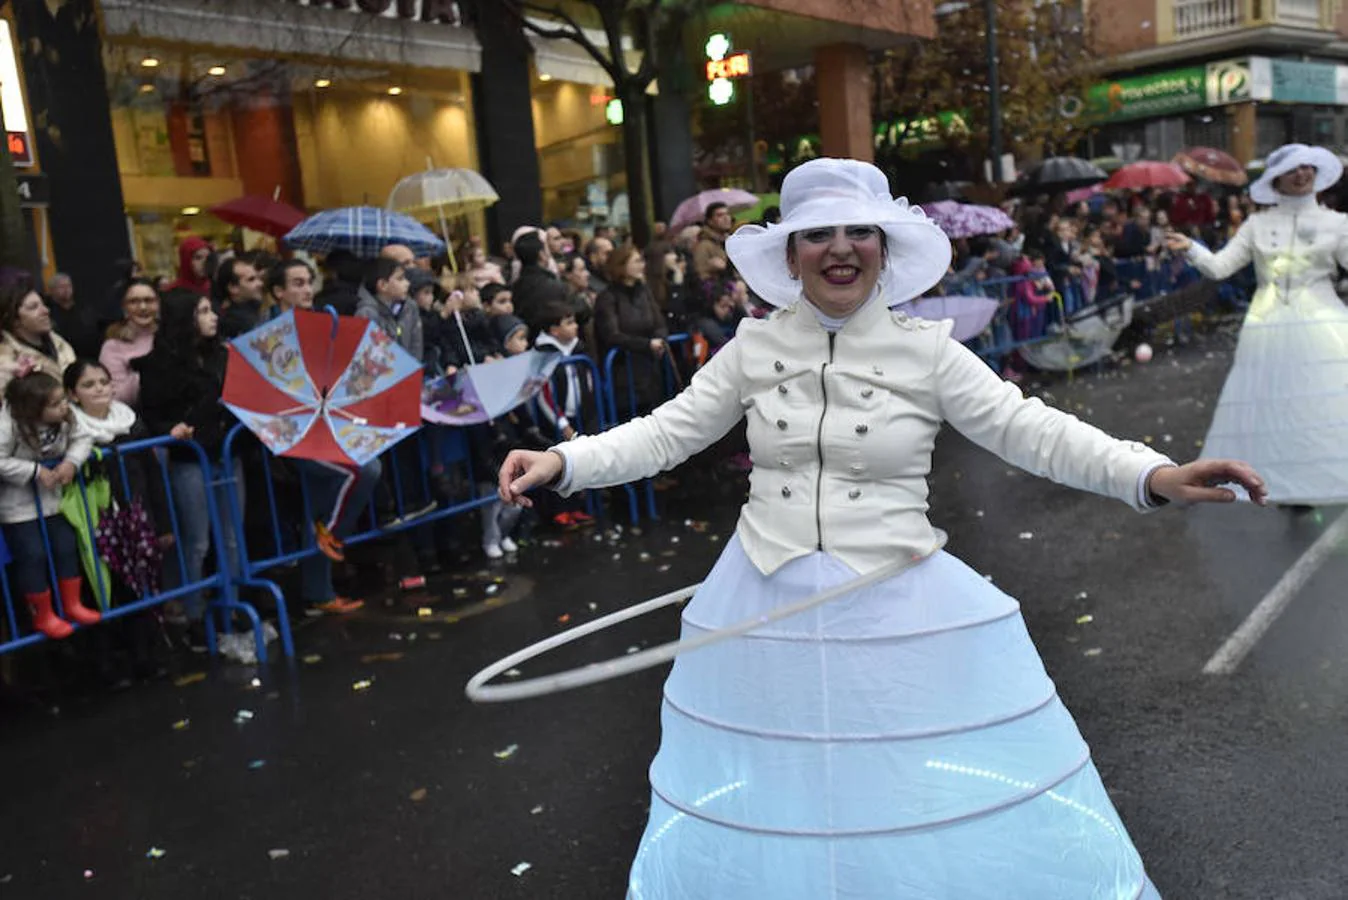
{"x": 581, "y": 361}
{"x": 673, "y": 384}
{"x": 220, "y": 581}
{"x": 292, "y": 541}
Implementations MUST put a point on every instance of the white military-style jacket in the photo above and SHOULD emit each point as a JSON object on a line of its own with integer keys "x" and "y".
{"x": 841, "y": 428}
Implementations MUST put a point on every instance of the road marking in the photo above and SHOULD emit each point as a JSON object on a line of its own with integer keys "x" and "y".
{"x": 1226, "y": 660}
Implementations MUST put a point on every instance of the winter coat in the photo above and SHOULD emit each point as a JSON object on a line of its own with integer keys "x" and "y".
{"x": 19, "y": 462}
{"x": 534, "y": 291}
{"x": 841, "y": 428}
{"x": 176, "y": 387}
{"x": 404, "y": 326}
{"x": 52, "y": 358}
{"x": 627, "y": 317}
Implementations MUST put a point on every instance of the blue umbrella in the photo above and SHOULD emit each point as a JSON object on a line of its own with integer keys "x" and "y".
{"x": 363, "y": 231}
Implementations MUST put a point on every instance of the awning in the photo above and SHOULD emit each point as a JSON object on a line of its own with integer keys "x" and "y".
{"x": 274, "y": 27}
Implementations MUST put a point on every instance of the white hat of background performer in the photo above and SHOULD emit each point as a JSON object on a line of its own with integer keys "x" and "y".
{"x": 824, "y": 193}
{"x": 1328, "y": 170}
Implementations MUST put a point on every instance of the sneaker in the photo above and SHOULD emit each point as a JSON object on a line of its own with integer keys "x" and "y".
{"x": 493, "y": 551}
{"x": 509, "y": 546}
{"x": 328, "y": 543}
{"x": 339, "y": 606}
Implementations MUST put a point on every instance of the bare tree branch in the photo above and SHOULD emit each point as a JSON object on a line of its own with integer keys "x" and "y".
{"x": 573, "y": 32}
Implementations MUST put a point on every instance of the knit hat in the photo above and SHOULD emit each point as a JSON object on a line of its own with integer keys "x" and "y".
{"x": 504, "y": 326}
{"x": 417, "y": 278}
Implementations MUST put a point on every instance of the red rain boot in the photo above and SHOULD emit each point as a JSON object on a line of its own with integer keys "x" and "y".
{"x": 44, "y": 620}
{"x": 76, "y": 611}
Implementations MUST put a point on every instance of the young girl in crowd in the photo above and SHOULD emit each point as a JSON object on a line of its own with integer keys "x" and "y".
{"x": 36, "y": 429}
{"x": 182, "y": 379}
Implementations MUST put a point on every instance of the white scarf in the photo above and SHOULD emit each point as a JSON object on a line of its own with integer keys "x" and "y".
{"x": 118, "y": 422}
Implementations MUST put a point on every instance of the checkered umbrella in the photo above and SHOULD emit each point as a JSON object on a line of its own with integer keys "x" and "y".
{"x": 364, "y": 231}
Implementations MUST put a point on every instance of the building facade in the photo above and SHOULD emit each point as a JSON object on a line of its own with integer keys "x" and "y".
{"x": 1242, "y": 75}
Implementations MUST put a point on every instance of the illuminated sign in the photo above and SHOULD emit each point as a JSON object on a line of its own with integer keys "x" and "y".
{"x": 11, "y": 102}
{"x": 736, "y": 65}
{"x": 614, "y": 112}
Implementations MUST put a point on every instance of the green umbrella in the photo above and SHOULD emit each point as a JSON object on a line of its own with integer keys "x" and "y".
{"x": 755, "y": 212}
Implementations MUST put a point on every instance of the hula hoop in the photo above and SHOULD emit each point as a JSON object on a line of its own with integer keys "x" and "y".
{"x": 480, "y": 692}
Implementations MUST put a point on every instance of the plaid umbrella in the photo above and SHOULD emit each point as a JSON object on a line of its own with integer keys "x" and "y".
{"x": 364, "y": 231}
{"x": 962, "y": 220}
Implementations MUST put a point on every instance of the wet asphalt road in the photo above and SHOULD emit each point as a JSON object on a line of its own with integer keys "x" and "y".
{"x": 1233, "y": 788}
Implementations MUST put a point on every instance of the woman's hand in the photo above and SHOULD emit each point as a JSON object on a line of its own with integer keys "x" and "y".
{"x": 1177, "y": 243}
{"x": 47, "y": 479}
{"x": 658, "y": 347}
{"x": 1200, "y": 482}
{"x": 524, "y": 470}
{"x": 182, "y": 432}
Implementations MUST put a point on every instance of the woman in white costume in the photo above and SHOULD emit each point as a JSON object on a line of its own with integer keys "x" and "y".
{"x": 902, "y": 741}
{"x": 1284, "y": 407}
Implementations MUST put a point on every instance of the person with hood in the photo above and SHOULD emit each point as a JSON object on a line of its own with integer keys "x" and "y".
{"x": 194, "y": 266}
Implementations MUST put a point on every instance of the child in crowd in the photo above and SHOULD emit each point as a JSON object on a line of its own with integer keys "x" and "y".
{"x": 513, "y": 431}
{"x": 566, "y": 398}
{"x": 497, "y": 300}
{"x": 716, "y": 326}
{"x": 560, "y": 400}
{"x": 36, "y": 429}
{"x": 383, "y": 300}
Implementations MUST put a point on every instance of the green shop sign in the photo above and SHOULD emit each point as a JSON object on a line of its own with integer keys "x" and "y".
{"x": 1178, "y": 90}
{"x": 922, "y": 131}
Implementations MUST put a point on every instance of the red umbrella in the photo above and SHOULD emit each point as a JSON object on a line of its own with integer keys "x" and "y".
{"x": 1138, "y": 175}
{"x": 1211, "y": 165}
{"x": 323, "y": 387}
{"x": 260, "y": 214}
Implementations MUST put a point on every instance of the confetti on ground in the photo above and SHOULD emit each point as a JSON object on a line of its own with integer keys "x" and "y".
{"x": 278, "y": 853}
{"x": 417, "y": 796}
{"x": 513, "y": 673}
{"x": 395, "y": 636}
{"x": 492, "y": 589}
{"x": 520, "y": 869}
{"x": 450, "y": 620}
{"x": 592, "y": 605}
{"x": 255, "y": 683}
{"x": 633, "y": 649}
{"x": 311, "y": 658}
{"x": 380, "y": 657}
{"x": 714, "y": 538}
{"x": 242, "y": 716}
{"x": 1027, "y": 535}
{"x": 1082, "y": 595}
{"x": 155, "y": 853}
{"x": 425, "y": 612}
{"x": 536, "y": 810}
{"x": 460, "y": 592}
{"x": 88, "y": 873}
{"x": 507, "y": 752}
{"x": 664, "y": 568}
{"x": 617, "y": 556}
{"x": 191, "y": 678}
{"x": 644, "y": 556}
{"x": 987, "y": 578}
{"x": 564, "y": 618}
{"x": 674, "y": 540}
{"x": 257, "y": 764}
{"x": 1094, "y": 651}
{"x": 181, "y": 724}
{"x": 1085, "y": 620}
{"x": 363, "y": 684}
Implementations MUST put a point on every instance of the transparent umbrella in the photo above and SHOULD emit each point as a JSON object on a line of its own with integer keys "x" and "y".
{"x": 448, "y": 192}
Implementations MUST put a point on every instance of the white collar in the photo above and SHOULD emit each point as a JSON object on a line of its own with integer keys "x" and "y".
{"x": 1304, "y": 203}
{"x": 547, "y": 340}
{"x": 118, "y": 422}
{"x": 832, "y": 324}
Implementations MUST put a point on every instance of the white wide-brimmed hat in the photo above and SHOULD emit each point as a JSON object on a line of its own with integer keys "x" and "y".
{"x": 1328, "y": 170}
{"x": 828, "y": 192}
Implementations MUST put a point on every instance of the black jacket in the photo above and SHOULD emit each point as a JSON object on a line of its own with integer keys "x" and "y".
{"x": 534, "y": 292}
{"x": 175, "y": 387}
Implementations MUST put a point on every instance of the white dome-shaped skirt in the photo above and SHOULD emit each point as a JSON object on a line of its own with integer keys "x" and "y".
{"x": 901, "y": 743}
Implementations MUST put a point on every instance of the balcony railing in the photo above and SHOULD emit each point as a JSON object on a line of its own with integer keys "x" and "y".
{"x": 1200, "y": 18}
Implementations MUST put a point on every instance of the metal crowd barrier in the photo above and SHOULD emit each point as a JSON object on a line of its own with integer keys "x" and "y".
{"x": 291, "y": 541}
{"x": 224, "y": 603}
{"x": 582, "y": 426}
{"x": 673, "y": 383}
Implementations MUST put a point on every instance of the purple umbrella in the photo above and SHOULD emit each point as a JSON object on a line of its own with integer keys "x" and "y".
{"x": 691, "y": 211}
{"x": 962, "y": 220}
{"x": 971, "y": 314}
